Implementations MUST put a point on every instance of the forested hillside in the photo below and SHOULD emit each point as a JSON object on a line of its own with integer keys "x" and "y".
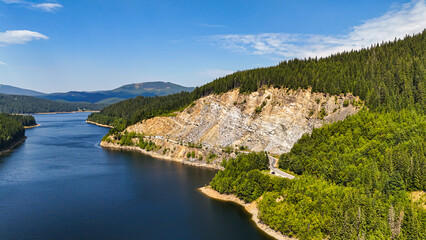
{"x": 386, "y": 76}
{"x": 147, "y": 89}
{"x": 385, "y": 151}
{"x": 10, "y": 131}
{"x": 25, "y": 120}
{"x": 27, "y": 104}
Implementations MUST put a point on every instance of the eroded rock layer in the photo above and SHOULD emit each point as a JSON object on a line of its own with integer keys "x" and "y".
{"x": 270, "y": 119}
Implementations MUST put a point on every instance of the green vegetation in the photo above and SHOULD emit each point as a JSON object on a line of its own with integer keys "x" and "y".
{"x": 259, "y": 108}
{"x": 190, "y": 155}
{"x": 147, "y": 89}
{"x": 346, "y": 103}
{"x": 26, "y": 104}
{"x": 322, "y": 113}
{"x": 25, "y": 120}
{"x": 133, "y": 110}
{"x": 310, "y": 207}
{"x": 11, "y": 130}
{"x": 366, "y": 150}
{"x": 243, "y": 177}
{"x": 133, "y": 139}
{"x": 386, "y": 76}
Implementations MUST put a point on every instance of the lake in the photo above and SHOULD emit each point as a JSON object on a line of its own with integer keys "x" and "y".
{"x": 60, "y": 184}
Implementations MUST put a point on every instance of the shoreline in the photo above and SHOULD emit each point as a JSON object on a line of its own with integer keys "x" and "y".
{"x": 62, "y": 112}
{"x": 14, "y": 145}
{"x": 114, "y": 146}
{"x": 248, "y": 207}
{"x": 98, "y": 124}
{"x": 29, "y": 127}
{"x": 40, "y": 113}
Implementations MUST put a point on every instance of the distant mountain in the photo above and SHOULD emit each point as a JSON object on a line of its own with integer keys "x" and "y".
{"x": 7, "y": 89}
{"x": 28, "y": 104}
{"x": 146, "y": 89}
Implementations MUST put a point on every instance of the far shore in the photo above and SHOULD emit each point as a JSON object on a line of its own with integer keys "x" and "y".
{"x": 14, "y": 145}
{"x": 64, "y": 112}
{"x": 100, "y": 125}
{"x": 55, "y": 112}
{"x": 249, "y": 207}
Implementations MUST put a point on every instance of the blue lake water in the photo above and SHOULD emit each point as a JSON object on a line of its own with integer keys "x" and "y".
{"x": 60, "y": 184}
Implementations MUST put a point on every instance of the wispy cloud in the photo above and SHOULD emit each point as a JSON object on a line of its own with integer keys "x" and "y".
{"x": 405, "y": 19}
{"x": 19, "y": 37}
{"x": 47, "y": 7}
{"x": 3, "y": 63}
{"x": 215, "y": 73}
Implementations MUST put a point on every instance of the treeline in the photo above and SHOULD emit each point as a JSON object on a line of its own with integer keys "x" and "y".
{"x": 133, "y": 110}
{"x": 309, "y": 207}
{"x": 25, "y": 120}
{"x": 385, "y": 151}
{"x": 26, "y": 104}
{"x": 386, "y": 76}
{"x": 11, "y": 130}
{"x": 245, "y": 177}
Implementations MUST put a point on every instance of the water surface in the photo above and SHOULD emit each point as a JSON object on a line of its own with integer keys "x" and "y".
{"x": 60, "y": 184}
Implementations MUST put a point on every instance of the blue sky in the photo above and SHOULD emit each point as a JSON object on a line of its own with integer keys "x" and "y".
{"x": 65, "y": 45}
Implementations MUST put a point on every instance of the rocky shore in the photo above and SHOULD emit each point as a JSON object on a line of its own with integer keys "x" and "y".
{"x": 100, "y": 125}
{"x": 249, "y": 207}
{"x": 115, "y": 146}
{"x": 28, "y": 127}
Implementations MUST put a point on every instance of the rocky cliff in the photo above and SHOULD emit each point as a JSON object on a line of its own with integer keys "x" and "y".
{"x": 270, "y": 119}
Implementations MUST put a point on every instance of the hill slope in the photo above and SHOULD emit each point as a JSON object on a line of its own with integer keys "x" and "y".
{"x": 121, "y": 93}
{"x": 7, "y": 89}
{"x": 26, "y": 104}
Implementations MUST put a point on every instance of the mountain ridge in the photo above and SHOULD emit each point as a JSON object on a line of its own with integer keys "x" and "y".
{"x": 147, "y": 89}
{"x": 12, "y": 90}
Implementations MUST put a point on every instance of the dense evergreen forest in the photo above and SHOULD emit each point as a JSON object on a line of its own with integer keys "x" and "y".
{"x": 25, "y": 120}
{"x": 373, "y": 150}
{"x": 388, "y": 76}
{"x": 26, "y": 104}
{"x": 11, "y": 130}
{"x": 312, "y": 207}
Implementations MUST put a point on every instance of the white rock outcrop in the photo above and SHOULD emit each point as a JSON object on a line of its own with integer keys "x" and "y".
{"x": 270, "y": 119}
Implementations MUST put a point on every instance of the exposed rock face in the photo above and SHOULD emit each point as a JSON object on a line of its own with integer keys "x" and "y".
{"x": 270, "y": 119}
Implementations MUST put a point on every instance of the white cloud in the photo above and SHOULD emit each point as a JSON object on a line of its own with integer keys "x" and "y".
{"x": 47, "y": 7}
{"x": 215, "y": 73}
{"x": 3, "y": 63}
{"x": 19, "y": 37}
{"x": 406, "y": 19}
